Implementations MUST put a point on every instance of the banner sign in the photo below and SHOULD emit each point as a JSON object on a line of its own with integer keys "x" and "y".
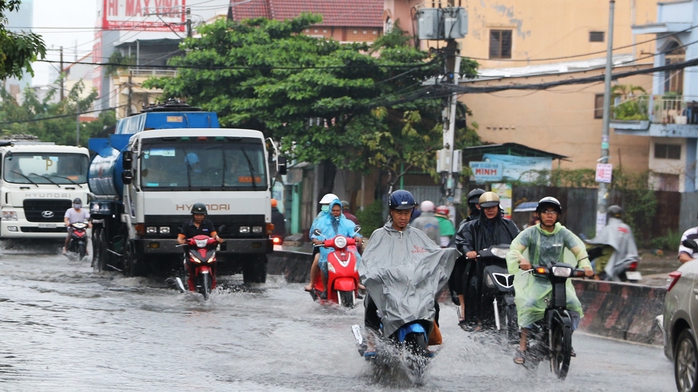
{"x": 504, "y": 191}
{"x": 604, "y": 172}
{"x": 145, "y": 15}
{"x": 486, "y": 171}
{"x": 518, "y": 168}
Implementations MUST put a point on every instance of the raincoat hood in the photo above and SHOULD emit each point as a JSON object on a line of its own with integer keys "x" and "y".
{"x": 403, "y": 271}
{"x": 619, "y": 236}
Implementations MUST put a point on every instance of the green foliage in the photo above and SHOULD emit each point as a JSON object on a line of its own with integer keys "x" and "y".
{"x": 371, "y": 218}
{"x": 354, "y": 105}
{"x": 118, "y": 61}
{"x": 52, "y": 122}
{"x": 670, "y": 241}
{"x": 634, "y": 102}
{"x": 17, "y": 50}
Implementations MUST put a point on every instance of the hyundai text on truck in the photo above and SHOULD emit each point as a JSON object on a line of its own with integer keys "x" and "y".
{"x": 146, "y": 177}
{"x": 39, "y": 182}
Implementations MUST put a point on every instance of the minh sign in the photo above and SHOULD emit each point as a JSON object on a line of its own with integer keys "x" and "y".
{"x": 144, "y": 15}
{"x": 487, "y": 171}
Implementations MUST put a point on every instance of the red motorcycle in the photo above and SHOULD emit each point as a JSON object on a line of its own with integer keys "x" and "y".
{"x": 342, "y": 273}
{"x": 78, "y": 239}
{"x": 199, "y": 265}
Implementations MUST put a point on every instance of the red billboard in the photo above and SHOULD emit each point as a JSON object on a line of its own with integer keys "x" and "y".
{"x": 144, "y": 15}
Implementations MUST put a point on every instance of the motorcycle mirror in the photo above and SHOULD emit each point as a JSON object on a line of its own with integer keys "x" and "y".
{"x": 689, "y": 243}
{"x": 317, "y": 232}
{"x": 357, "y": 229}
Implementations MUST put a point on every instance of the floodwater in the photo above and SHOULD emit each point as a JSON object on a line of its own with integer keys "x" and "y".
{"x": 63, "y": 327}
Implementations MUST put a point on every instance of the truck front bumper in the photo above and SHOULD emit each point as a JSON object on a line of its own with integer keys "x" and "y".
{"x": 23, "y": 229}
{"x": 229, "y": 247}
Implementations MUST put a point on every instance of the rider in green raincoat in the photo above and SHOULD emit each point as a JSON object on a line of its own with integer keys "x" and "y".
{"x": 546, "y": 242}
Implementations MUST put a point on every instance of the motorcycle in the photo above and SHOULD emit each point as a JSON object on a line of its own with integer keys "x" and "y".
{"x": 199, "y": 265}
{"x": 342, "y": 272}
{"x": 497, "y": 288}
{"x": 78, "y": 239}
{"x": 623, "y": 271}
{"x": 551, "y": 337}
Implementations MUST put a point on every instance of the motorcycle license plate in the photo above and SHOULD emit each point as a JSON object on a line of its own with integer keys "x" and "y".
{"x": 47, "y": 225}
{"x": 633, "y": 275}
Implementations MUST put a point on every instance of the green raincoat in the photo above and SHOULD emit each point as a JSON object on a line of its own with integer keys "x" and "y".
{"x": 543, "y": 247}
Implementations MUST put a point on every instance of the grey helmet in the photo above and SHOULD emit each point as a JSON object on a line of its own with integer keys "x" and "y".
{"x": 615, "y": 211}
{"x": 474, "y": 196}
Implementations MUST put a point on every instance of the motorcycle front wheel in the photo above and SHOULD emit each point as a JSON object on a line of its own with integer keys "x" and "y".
{"x": 560, "y": 349}
{"x": 205, "y": 288}
{"x": 346, "y": 298}
{"x": 81, "y": 250}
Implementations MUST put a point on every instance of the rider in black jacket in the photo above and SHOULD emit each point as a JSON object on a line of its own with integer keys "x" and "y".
{"x": 490, "y": 228}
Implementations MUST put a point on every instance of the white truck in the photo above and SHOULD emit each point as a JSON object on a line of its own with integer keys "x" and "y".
{"x": 39, "y": 182}
{"x": 147, "y": 176}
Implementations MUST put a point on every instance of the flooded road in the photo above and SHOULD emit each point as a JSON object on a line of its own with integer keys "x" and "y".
{"x": 63, "y": 327}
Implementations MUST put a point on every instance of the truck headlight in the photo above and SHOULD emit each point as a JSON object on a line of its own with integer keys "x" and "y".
{"x": 164, "y": 230}
{"x": 244, "y": 229}
{"x": 257, "y": 229}
{"x": 151, "y": 229}
{"x": 9, "y": 215}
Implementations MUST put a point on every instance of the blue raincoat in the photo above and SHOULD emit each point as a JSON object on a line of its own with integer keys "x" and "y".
{"x": 330, "y": 226}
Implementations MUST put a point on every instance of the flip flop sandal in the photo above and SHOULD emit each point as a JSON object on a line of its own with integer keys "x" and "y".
{"x": 519, "y": 358}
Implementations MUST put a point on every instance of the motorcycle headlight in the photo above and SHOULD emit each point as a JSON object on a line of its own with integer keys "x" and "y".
{"x": 340, "y": 241}
{"x": 9, "y": 215}
{"x": 562, "y": 272}
{"x": 488, "y": 281}
{"x": 500, "y": 252}
{"x": 201, "y": 243}
{"x": 211, "y": 260}
{"x": 330, "y": 267}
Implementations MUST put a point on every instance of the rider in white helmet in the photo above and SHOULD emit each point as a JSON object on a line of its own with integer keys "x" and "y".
{"x": 315, "y": 268}
{"x": 427, "y": 222}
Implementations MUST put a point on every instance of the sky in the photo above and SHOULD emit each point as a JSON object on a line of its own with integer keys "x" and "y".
{"x": 67, "y": 23}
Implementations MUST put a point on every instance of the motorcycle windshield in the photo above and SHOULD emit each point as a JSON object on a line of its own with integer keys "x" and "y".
{"x": 403, "y": 272}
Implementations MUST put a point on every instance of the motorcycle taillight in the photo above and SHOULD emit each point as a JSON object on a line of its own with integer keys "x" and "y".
{"x": 673, "y": 279}
{"x": 632, "y": 266}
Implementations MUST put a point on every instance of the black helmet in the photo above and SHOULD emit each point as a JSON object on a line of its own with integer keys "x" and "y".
{"x": 549, "y": 201}
{"x": 77, "y": 200}
{"x": 401, "y": 200}
{"x": 474, "y": 196}
{"x": 615, "y": 211}
{"x": 199, "y": 208}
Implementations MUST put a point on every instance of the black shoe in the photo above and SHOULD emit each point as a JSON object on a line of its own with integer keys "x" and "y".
{"x": 323, "y": 295}
{"x": 359, "y": 296}
{"x": 572, "y": 353}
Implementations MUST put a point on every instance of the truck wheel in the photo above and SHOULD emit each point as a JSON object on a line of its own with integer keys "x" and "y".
{"x": 254, "y": 269}
{"x": 99, "y": 259}
{"x": 132, "y": 264}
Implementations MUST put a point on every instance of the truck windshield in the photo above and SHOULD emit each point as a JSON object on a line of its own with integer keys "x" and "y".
{"x": 37, "y": 168}
{"x": 234, "y": 164}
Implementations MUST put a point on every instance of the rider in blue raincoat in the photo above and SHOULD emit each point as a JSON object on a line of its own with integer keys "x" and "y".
{"x": 331, "y": 224}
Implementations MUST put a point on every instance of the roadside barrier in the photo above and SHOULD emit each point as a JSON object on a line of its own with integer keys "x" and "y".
{"x": 617, "y": 310}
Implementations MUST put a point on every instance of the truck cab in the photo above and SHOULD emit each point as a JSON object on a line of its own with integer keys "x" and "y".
{"x": 38, "y": 184}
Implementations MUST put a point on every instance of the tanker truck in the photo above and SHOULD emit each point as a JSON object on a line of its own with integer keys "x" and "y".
{"x": 39, "y": 182}
{"x": 148, "y": 174}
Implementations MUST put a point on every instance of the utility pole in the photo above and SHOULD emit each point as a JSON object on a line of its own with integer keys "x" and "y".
{"x": 60, "y": 75}
{"x": 602, "y": 197}
{"x": 189, "y": 34}
{"x": 130, "y": 93}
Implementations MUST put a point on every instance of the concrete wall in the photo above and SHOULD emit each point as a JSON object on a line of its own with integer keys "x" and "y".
{"x": 615, "y": 310}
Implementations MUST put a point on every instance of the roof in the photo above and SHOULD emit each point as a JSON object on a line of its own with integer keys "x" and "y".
{"x": 335, "y": 13}
{"x": 528, "y": 206}
{"x": 476, "y": 152}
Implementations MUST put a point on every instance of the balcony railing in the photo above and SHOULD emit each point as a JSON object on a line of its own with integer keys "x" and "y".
{"x": 658, "y": 109}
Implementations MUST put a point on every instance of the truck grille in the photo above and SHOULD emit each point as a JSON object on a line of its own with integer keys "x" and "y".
{"x": 45, "y": 210}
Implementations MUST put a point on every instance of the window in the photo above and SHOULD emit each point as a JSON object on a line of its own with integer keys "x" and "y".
{"x": 598, "y": 106}
{"x": 667, "y": 151}
{"x": 500, "y": 44}
{"x": 596, "y": 36}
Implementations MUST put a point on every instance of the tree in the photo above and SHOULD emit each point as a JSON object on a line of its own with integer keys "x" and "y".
{"x": 52, "y": 122}
{"x": 346, "y": 105}
{"x": 17, "y": 50}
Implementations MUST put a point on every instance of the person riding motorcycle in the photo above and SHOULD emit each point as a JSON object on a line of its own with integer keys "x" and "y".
{"x": 616, "y": 247}
{"x": 197, "y": 225}
{"x": 490, "y": 228}
{"x": 73, "y": 215}
{"x": 314, "y": 267}
{"x": 474, "y": 204}
{"x": 407, "y": 253}
{"x": 545, "y": 242}
{"x": 331, "y": 224}
{"x": 427, "y": 222}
